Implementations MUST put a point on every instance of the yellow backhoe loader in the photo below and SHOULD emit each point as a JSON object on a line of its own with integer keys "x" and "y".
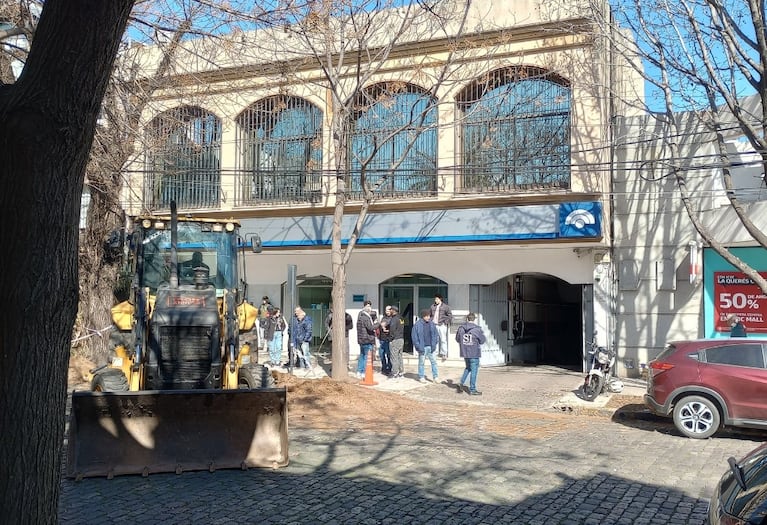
{"x": 181, "y": 392}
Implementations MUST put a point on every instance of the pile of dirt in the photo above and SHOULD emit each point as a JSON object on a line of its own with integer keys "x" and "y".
{"x": 326, "y": 404}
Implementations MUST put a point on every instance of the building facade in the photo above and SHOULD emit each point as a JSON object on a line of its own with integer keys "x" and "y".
{"x": 669, "y": 283}
{"x": 482, "y": 144}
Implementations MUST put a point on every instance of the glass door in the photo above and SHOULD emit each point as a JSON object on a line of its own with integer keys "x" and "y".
{"x": 401, "y": 296}
{"x": 411, "y": 298}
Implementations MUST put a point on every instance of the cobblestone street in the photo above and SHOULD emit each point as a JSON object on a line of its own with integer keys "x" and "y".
{"x": 575, "y": 469}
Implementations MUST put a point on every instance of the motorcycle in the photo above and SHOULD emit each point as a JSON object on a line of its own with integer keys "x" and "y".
{"x": 599, "y": 376}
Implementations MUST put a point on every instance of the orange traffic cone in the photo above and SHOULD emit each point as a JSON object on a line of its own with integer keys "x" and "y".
{"x": 368, "y": 381}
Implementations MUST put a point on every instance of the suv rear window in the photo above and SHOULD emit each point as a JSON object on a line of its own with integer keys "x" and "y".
{"x": 667, "y": 351}
{"x": 750, "y": 355}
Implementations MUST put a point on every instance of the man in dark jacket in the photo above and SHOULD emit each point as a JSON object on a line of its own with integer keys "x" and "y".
{"x": 349, "y": 326}
{"x": 737, "y": 328}
{"x": 367, "y": 325}
{"x": 263, "y": 321}
{"x": 425, "y": 341}
{"x": 469, "y": 336}
{"x": 301, "y": 337}
{"x": 384, "y": 338}
{"x": 396, "y": 343}
{"x": 442, "y": 317}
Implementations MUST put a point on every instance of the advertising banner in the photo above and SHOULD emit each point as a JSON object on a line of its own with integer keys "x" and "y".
{"x": 736, "y": 294}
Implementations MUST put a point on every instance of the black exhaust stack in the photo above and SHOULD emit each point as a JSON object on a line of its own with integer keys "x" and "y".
{"x": 173, "y": 245}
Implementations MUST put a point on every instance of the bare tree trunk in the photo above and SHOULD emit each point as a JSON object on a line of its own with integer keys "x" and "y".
{"x": 97, "y": 274}
{"x": 114, "y": 145}
{"x": 697, "y": 51}
{"x": 47, "y": 122}
{"x": 339, "y": 357}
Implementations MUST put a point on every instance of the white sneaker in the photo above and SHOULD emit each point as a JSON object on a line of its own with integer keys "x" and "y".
{"x": 360, "y": 375}
{"x": 435, "y": 380}
{"x": 422, "y": 379}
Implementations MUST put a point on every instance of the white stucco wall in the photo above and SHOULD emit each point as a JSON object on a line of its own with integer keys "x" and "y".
{"x": 655, "y": 300}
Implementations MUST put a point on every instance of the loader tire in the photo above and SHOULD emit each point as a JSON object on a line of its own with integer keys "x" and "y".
{"x": 255, "y": 376}
{"x": 109, "y": 380}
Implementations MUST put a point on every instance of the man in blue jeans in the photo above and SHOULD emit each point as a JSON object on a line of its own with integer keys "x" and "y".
{"x": 469, "y": 336}
{"x": 301, "y": 336}
{"x": 441, "y": 316}
{"x": 366, "y": 336}
{"x": 425, "y": 340}
{"x": 384, "y": 338}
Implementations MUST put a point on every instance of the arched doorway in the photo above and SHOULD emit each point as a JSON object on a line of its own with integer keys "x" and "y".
{"x": 546, "y": 320}
{"x": 411, "y": 293}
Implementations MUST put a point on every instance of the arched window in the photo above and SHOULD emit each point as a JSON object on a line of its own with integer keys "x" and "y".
{"x": 184, "y": 159}
{"x": 393, "y": 146}
{"x": 280, "y": 151}
{"x": 516, "y": 131}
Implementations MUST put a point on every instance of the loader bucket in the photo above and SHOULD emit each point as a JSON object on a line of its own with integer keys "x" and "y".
{"x": 116, "y": 433}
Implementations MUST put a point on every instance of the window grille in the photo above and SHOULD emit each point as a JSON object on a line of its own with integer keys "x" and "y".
{"x": 393, "y": 146}
{"x": 516, "y": 131}
{"x": 279, "y": 141}
{"x": 183, "y": 159}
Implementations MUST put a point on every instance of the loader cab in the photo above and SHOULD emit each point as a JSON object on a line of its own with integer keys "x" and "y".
{"x": 190, "y": 271}
{"x": 207, "y": 246}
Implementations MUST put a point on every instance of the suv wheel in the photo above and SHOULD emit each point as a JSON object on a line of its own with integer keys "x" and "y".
{"x": 696, "y": 417}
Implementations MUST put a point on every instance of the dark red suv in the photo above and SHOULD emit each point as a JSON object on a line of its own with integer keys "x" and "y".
{"x": 706, "y": 383}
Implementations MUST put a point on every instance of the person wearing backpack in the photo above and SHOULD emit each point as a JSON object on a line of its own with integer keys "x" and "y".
{"x": 469, "y": 337}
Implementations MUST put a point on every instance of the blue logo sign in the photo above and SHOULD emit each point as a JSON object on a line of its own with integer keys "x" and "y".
{"x": 580, "y": 219}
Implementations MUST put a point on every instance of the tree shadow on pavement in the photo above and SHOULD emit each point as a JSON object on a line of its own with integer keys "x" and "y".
{"x": 324, "y": 495}
{"x": 435, "y": 474}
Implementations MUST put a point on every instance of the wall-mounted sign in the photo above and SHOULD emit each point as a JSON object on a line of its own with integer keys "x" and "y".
{"x": 358, "y": 298}
{"x": 554, "y": 222}
{"x": 727, "y": 291}
{"x": 737, "y": 294}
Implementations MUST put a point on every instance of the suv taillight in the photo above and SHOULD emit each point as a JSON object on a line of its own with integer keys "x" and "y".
{"x": 661, "y": 366}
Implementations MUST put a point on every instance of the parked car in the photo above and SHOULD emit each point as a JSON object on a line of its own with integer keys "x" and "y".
{"x": 707, "y": 383}
{"x": 740, "y": 496}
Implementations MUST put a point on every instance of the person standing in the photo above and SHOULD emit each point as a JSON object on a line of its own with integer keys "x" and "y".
{"x": 469, "y": 337}
{"x": 385, "y": 338}
{"x": 366, "y": 336}
{"x": 275, "y": 329}
{"x": 425, "y": 337}
{"x": 737, "y": 328}
{"x": 329, "y": 327}
{"x": 263, "y": 321}
{"x": 301, "y": 337}
{"x": 396, "y": 343}
{"x": 349, "y": 325}
{"x": 441, "y": 316}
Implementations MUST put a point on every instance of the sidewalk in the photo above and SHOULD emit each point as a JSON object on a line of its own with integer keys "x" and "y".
{"x": 527, "y": 387}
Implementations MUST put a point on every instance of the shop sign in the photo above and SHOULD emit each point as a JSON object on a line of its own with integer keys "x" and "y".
{"x": 737, "y": 294}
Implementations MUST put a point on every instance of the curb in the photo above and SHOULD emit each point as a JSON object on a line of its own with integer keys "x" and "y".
{"x": 581, "y": 410}
{"x": 612, "y": 413}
